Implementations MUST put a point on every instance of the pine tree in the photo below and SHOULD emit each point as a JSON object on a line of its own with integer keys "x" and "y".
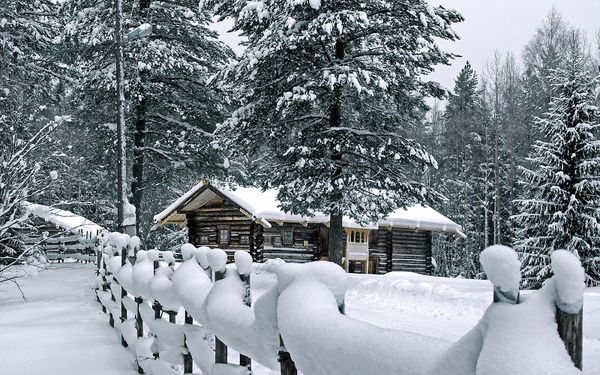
{"x": 461, "y": 153}
{"x": 172, "y": 105}
{"x": 28, "y": 31}
{"x": 562, "y": 212}
{"x": 330, "y": 91}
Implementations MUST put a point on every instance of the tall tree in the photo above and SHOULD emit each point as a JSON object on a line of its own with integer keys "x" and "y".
{"x": 330, "y": 90}
{"x": 462, "y": 153}
{"x": 28, "y": 30}
{"x": 172, "y": 105}
{"x": 562, "y": 211}
{"x": 544, "y": 53}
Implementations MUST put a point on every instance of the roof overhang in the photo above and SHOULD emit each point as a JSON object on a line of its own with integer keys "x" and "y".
{"x": 417, "y": 217}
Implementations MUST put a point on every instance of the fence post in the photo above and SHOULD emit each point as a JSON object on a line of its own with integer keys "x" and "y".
{"x": 220, "y": 347}
{"x": 156, "y": 306}
{"x": 243, "y": 262}
{"x": 124, "y": 254}
{"x": 570, "y": 330}
{"x": 503, "y": 268}
{"x": 288, "y": 367}
{"x": 570, "y": 276}
{"x": 188, "y": 361}
{"x": 139, "y": 323}
{"x": 217, "y": 260}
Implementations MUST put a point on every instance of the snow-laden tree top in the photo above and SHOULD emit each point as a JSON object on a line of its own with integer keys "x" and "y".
{"x": 330, "y": 89}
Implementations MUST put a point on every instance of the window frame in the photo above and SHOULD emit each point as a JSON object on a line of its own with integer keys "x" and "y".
{"x": 220, "y": 236}
{"x": 291, "y": 236}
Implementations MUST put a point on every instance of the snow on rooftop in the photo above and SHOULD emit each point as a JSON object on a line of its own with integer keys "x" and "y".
{"x": 64, "y": 219}
{"x": 264, "y": 206}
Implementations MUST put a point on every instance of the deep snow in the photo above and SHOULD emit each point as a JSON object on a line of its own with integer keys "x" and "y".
{"x": 61, "y": 330}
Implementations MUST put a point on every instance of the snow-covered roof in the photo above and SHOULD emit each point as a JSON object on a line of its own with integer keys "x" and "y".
{"x": 263, "y": 206}
{"x": 64, "y": 219}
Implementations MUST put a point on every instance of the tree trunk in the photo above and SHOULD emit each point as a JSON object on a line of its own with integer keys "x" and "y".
{"x": 336, "y": 239}
{"x": 122, "y": 165}
{"x": 137, "y": 183}
{"x": 336, "y": 230}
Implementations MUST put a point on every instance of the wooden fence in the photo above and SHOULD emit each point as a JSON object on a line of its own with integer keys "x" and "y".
{"x": 178, "y": 345}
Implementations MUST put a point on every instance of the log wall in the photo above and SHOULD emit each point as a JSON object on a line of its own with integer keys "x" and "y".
{"x": 205, "y": 223}
{"x": 397, "y": 249}
{"x": 304, "y": 245}
{"x": 402, "y": 250}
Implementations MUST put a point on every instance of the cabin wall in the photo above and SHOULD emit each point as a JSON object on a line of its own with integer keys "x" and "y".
{"x": 222, "y": 227}
{"x": 402, "y": 250}
{"x": 294, "y": 242}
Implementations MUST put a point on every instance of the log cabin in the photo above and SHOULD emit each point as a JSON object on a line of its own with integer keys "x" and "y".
{"x": 59, "y": 233}
{"x": 248, "y": 219}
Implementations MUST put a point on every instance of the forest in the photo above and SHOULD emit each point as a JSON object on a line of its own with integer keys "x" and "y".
{"x": 328, "y": 103}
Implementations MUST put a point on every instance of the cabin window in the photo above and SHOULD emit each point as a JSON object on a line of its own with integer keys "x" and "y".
{"x": 244, "y": 240}
{"x": 358, "y": 237}
{"x": 223, "y": 236}
{"x": 204, "y": 240}
{"x": 287, "y": 236}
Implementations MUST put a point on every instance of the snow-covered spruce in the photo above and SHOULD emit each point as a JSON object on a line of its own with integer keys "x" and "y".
{"x": 561, "y": 211}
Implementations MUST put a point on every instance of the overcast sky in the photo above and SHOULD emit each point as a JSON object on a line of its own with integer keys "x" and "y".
{"x": 506, "y": 25}
{"x": 503, "y": 25}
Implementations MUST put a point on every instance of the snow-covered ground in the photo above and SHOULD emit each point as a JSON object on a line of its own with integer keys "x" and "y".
{"x": 61, "y": 329}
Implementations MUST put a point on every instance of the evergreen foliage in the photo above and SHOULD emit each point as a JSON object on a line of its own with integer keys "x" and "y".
{"x": 331, "y": 91}
{"x": 562, "y": 212}
{"x": 461, "y": 151}
{"x": 172, "y": 106}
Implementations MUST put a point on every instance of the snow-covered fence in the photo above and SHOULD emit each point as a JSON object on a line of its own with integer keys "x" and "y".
{"x": 569, "y": 281}
{"x": 298, "y": 321}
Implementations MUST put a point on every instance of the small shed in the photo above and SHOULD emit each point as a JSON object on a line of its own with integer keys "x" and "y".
{"x": 60, "y": 233}
{"x": 248, "y": 219}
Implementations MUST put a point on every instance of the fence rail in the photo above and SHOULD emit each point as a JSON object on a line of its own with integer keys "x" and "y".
{"x": 177, "y": 315}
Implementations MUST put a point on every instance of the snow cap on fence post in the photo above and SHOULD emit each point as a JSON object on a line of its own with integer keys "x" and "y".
{"x": 503, "y": 269}
{"x": 187, "y": 251}
{"x": 217, "y": 259}
{"x": 243, "y": 262}
{"x": 134, "y": 244}
{"x": 153, "y": 255}
{"x": 330, "y": 274}
{"x": 169, "y": 257}
{"x": 201, "y": 256}
{"x": 119, "y": 241}
{"x": 570, "y": 281}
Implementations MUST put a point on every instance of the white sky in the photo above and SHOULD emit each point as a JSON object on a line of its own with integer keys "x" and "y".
{"x": 506, "y": 25}
{"x": 503, "y": 25}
